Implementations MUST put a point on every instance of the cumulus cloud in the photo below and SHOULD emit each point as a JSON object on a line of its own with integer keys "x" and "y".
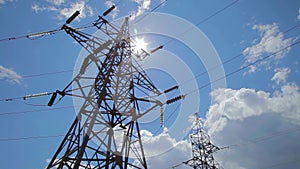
{"x": 163, "y": 151}
{"x": 239, "y": 104}
{"x": 4, "y": 1}
{"x": 10, "y": 75}
{"x": 64, "y": 10}
{"x": 143, "y": 5}
{"x": 271, "y": 40}
{"x": 56, "y": 2}
{"x": 248, "y": 119}
{"x": 280, "y": 75}
{"x": 298, "y": 14}
{"x": 115, "y": 12}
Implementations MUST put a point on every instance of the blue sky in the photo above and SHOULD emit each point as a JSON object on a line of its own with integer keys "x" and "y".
{"x": 256, "y": 110}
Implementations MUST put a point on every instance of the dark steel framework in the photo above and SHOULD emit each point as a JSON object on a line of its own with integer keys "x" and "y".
{"x": 106, "y": 132}
{"x": 202, "y": 148}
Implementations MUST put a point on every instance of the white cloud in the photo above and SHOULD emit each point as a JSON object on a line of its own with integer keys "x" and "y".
{"x": 113, "y": 13}
{"x": 238, "y": 116}
{"x": 38, "y": 8}
{"x": 143, "y": 5}
{"x": 4, "y": 1}
{"x": 280, "y": 75}
{"x": 64, "y": 11}
{"x": 80, "y": 5}
{"x": 298, "y": 14}
{"x": 239, "y": 104}
{"x": 163, "y": 151}
{"x": 271, "y": 40}
{"x": 9, "y": 75}
{"x": 56, "y": 2}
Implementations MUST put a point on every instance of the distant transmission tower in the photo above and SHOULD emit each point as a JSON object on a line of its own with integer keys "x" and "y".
{"x": 106, "y": 132}
{"x": 202, "y": 148}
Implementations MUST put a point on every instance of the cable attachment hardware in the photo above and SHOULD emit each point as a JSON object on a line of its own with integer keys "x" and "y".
{"x": 172, "y": 88}
{"x": 175, "y": 99}
{"x": 53, "y": 97}
{"x": 72, "y": 17}
{"x": 109, "y": 10}
{"x": 161, "y": 116}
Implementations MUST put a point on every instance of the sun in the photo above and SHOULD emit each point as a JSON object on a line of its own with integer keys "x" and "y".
{"x": 139, "y": 45}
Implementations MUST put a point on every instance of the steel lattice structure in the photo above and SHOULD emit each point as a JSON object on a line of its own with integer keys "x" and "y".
{"x": 202, "y": 148}
{"x": 106, "y": 132}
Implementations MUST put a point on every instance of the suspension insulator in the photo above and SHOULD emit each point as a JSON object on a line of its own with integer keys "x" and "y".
{"x": 109, "y": 10}
{"x": 36, "y": 95}
{"x": 156, "y": 49}
{"x": 162, "y": 117}
{"x": 170, "y": 89}
{"x": 75, "y": 14}
{"x": 175, "y": 99}
{"x": 53, "y": 97}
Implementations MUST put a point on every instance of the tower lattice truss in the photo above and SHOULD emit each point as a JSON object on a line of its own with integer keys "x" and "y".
{"x": 202, "y": 148}
{"x": 106, "y": 132}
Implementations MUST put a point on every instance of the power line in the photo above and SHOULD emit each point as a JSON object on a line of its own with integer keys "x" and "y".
{"x": 230, "y": 74}
{"x": 84, "y": 27}
{"x": 236, "y": 56}
{"x": 281, "y": 163}
{"x": 251, "y": 141}
{"x": 202, "y": 21}
{"x": 206, "y": 19}
{"x": 152, "y": 10}
{"x": 48, "y": 73}
{"x": 34, "y": 36}
{"x": 31, "y": 138}
{"x": 217, "y": 12}
{"x": 35, "y": 110}
{"x": 225, "y": 62}
{"x": 244, "y": 67}
{"x": 264, "y": 138}
{"x": 198, "y": 75}
{"x": 227, "y": 75}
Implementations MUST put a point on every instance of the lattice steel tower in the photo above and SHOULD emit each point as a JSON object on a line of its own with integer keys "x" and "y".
{"x": 202, "y": 148}
{"x": 106, "y": 132}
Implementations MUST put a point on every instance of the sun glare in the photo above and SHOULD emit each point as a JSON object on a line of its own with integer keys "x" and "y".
{"x": 139, "y": 45}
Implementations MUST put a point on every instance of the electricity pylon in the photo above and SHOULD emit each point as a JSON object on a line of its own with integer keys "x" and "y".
{"x": 202, "y": 148}
{"x": 106, "y": 132}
